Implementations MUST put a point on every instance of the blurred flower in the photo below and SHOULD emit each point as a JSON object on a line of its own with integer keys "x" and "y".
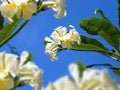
{"x": 8, "y": 9}
{"x": 29, "y": 73}
{"x": 26, "y": 71}
{"x": 6, "y": 83}
{"x": 97, "y": 80}
{"x": 61, "y": 39}
{"x": 21, "y": 8}
{"x": 62, "y": 84}
{"x": 8, "y": 64}
{"x": 92, "y": 79}
{"x": 25, "y": 9}
{"x": 58, "y": 6}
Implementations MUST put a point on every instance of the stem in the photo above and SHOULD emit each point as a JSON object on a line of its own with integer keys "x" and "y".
{"x": 12, "y": 35}
{"x": 106, "y": 65}
{"x": 107, "y": 53}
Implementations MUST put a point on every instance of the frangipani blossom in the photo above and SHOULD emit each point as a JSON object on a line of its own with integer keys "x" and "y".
{"x": 26, "y": 71}
{"x": 70, "y": 38}
{"x": 6, "y": 83}
{"x": 8, "y": 64}
{"x": 61, "y": 39}
{"x": 58, "y": 6}
{"x": 8, "y": 10}
{"x": 51, "y": 48}
{"x": 97, "y": 80}
{"x": 58, "y": 34}
{"x": 25, "y": 9}
{"x": 20, "y": 8}
{"x": 62, "y": 83}
{"x": 29, "y": 72}
{"x": 92, "y": 79}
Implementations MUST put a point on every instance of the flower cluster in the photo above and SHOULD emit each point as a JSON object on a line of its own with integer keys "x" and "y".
{"x": 26, "y": 8}
{"x": 93, "y": 79}
{"x": 15, "y": 73}
{"x": 61, "y": 39}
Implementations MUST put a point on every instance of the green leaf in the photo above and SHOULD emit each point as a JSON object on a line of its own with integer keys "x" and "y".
{"x": 117, "y": 72}
{"x": 89, "y": 44}
{"x": 102, "y": 27}
{"x": 81, "y": 68}
{"x": 8, "y": 29}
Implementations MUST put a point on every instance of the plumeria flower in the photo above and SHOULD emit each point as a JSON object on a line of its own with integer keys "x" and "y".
{"x": 63, "y": 83}
{"x": 20, "y": 8}
{"x": 25, "y": 9}
{"x": 29, "y": 72}
{"x": 97, "y": 80}
{"x": 26, "y": 71}
{"x": 58, "y": 34}
{"x": 70, "y": 38}
{"x": 93, "y": 79}
{"x": 61, "y": 39}
{"x": 8, "y": 9}
{"x": 64, "y": 38}
{"x": 6, "y": 83}
{"x": 51, "y": 49}
{"x": 8, "y": 64}
{"x": 58, "y": 6}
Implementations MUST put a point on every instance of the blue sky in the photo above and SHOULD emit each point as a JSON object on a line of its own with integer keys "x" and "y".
{"x": 32, "y": 36}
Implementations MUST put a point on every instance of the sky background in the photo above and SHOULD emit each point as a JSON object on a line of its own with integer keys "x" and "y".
{"x": 32, "y": 36}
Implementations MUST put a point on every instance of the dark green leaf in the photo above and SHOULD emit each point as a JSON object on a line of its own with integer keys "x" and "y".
{"x": 81, "y": 68}
{"x": 102, "y": 27}
{"x": 89, "y": 44}
{"x": 92, "y": 41}
{"x": 117, "y": 72}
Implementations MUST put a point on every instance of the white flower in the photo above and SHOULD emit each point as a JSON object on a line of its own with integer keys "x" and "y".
{"x": 97, "y": 80}
{"x": 92, "y": 79}
{"x": 62, "y": 84}
{"x": 70, "y": 38}
{"x": 58, "y": 6}
{"x": 58, "y": 34}
{"x": 6, "y": 83}
{"x": 51, "y": 49}
{"x": 10, "y": 8}
{"x": 74, "y": 72}
{"x": 8, "y": 64}
{"x": 29, "y": 72}
{"x": 61, "y": 39}
{"x": 25, "y": 9}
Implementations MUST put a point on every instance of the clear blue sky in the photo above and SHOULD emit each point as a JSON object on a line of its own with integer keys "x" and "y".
{"x": 32, "y": 36}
